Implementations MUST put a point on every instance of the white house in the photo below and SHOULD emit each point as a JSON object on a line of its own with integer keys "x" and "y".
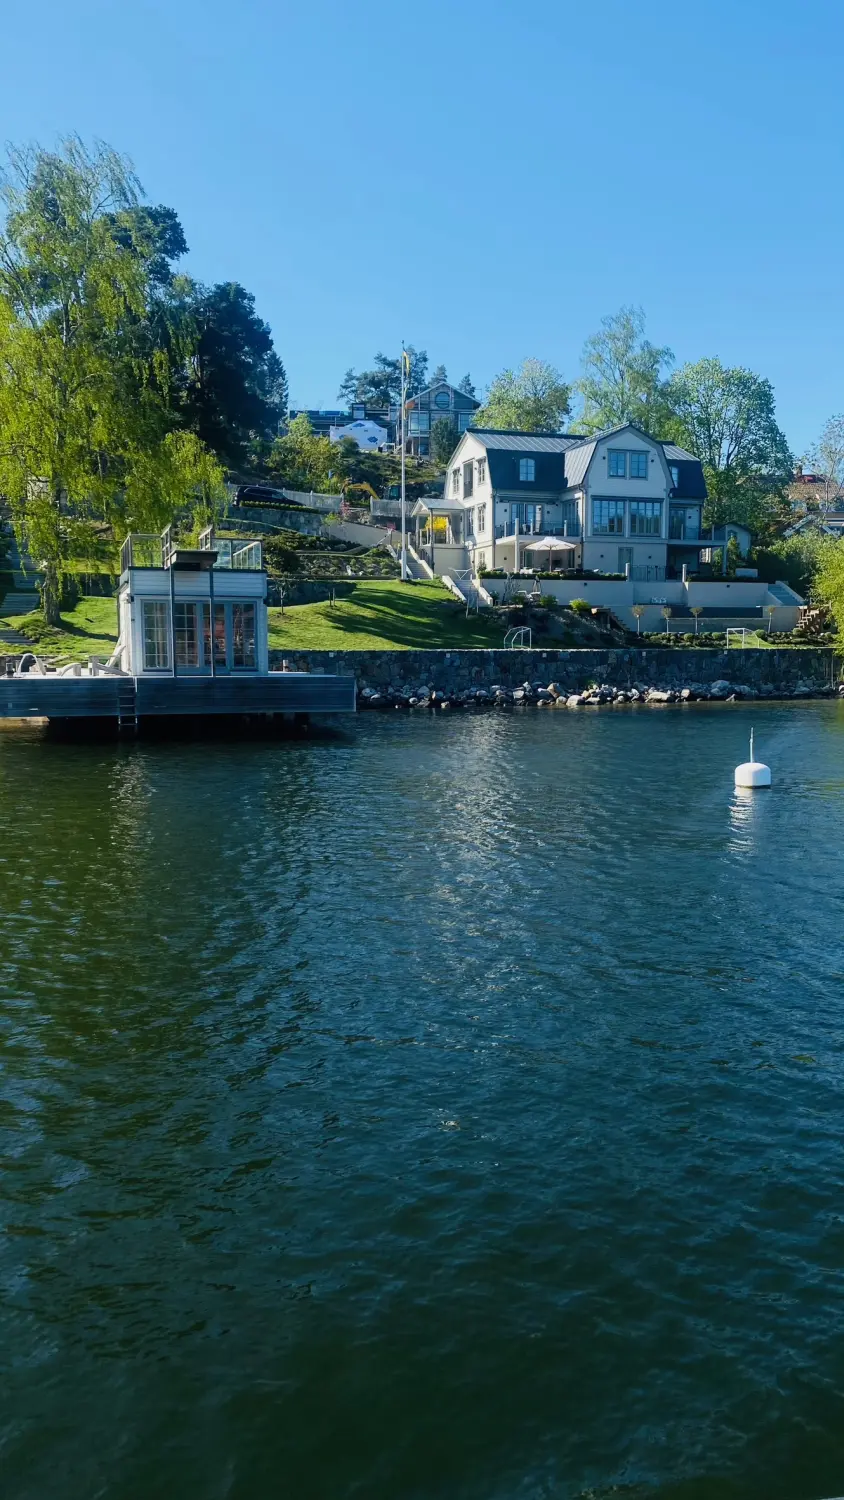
{"x": 625, "y": 503}
{"x": 174, "y": 602}
{"x": 368, "y": 435}
{"x": 620, "y": 506}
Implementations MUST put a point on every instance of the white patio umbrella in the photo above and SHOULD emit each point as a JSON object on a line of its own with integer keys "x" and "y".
{"x": 551, "y": 544}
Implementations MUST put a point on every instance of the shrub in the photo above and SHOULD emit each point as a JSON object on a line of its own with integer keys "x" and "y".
{"x": 547, "y": 601}
{"x": 581, "y": 606}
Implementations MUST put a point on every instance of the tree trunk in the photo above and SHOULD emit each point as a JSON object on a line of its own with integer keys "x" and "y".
{"x": 50, "y": 595}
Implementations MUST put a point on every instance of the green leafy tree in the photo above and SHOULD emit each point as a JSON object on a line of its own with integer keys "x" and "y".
{"x": 381, "y": 386}
{"x": 466, "y": 386}
{"x": 826, "y": 458}
{"x": 727, "y": 417}
{"x": 234, "y": 388}
{"x": 443, "y": 440}
{"x": 87, "y": 430}
{"x": 534, "y": 398}
{"x": 829, "y": 581}
{"x": 623, "y": 377}
{"x": 302, "y": 460}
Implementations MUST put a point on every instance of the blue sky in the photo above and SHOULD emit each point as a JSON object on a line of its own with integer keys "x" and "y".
{"x": 483, "y": 180}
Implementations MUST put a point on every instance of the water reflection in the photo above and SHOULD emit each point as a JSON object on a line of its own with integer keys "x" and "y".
{"x": 451, "y": 1110}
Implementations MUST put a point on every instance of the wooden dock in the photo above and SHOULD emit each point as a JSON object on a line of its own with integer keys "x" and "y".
{"x": 130, "y": 700}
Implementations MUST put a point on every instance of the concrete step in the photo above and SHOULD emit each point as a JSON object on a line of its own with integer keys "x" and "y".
{"x": 17, "y": 603}
{"x": 14, "y": 638}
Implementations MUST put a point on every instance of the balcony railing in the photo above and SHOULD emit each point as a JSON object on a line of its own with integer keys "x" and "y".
{"x": 146, "y": 550}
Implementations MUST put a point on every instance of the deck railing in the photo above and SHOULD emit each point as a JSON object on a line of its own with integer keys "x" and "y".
{"x": 146, "y": 550}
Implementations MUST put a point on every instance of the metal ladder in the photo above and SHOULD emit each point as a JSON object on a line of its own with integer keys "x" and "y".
{"x": 127, "y": 716}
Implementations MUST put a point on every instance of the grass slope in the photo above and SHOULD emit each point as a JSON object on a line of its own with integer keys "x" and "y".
{"x": 88, "y": 630}
{"x": 383, "y": 616}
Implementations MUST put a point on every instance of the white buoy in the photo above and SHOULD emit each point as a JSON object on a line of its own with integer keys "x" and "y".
{"x": 753, "y": 772}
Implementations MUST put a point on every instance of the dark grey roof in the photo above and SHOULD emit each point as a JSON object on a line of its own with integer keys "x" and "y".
{"x": 578, "y": 451}
{"x": 673, "y": 453}
{"x": 525, "y": 442}
{"x": 578, "y": 460}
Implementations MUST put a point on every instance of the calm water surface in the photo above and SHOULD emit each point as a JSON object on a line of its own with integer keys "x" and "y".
{"x": 449, "y": 1110}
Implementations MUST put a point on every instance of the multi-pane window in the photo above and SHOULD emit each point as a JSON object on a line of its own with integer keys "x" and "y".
{"x": 480, "y": 524}
{"x": 481, "y": 470}
{"x": 608, "y": 517}
{"x": 638, "y": 464}
{"x": 527, "y": 470}
{"x": 525, "y": 514}
{"x": 464, "y": 420}
{"x": 645, "y": 517}
{"x": 186, "y": 629}
{"x": 617, "y": 463}
{"x": 569, "y": 516}
{"x": 455, "y": 481}
{"x": 243, "y": 635}
{"x": 468, "y": 479}
{"x": 418, "y": 421}
{"x": 156, "y": 627}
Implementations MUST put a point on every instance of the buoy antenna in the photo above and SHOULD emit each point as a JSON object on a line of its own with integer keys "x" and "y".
{"x": 751, "y": 744}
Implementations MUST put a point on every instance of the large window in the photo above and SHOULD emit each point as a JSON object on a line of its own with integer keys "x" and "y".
{"x": 527, "y": 470}
{"x": 617, "y": 463}
{"x": 418, "y": 421}
{"x": 243, "y": 635}
{"x": 186, "y": 627}
{"x": 156, "y": 626}
{"x": 525, "y": 514}
{"x": 638, "y": 465}
{"x": 607, "y": 517}
{"x": 645, "y": 518}
{"x": 464, "y": 420}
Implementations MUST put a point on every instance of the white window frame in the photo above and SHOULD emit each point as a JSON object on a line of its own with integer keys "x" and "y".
{"x": 455, "y": 481}
{"x": 162, "y": 606}
{"x": 617, "y": 515}
{"x": 481, "y": 471}
{"x": 646, "y": 511}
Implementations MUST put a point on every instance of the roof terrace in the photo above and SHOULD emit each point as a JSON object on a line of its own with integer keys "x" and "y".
{"x": 150, "y": 550}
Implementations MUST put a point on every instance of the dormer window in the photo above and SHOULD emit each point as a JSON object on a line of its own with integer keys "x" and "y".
{"x": 527, "y": 470}
{"x": 675, "y": 476}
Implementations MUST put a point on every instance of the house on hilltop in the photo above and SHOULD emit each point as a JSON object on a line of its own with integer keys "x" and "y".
{"x": 618, "y": 502}
{"x": 437, "y": 401}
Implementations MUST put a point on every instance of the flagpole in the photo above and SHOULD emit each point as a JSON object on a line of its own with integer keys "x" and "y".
{"x": 403, "y": 445}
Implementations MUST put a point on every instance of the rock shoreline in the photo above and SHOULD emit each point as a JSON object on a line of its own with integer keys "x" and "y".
{"x": 492, "y": 677}
{"x": 598, "y": 695}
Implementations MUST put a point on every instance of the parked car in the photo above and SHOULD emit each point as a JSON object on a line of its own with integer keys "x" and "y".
{"x": 258, "y": 494}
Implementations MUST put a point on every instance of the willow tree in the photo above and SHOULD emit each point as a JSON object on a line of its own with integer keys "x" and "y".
{"x": 86, "y": 426}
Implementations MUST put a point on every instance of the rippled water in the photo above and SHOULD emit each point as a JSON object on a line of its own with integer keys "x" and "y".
{"x": 441, "y": 1109}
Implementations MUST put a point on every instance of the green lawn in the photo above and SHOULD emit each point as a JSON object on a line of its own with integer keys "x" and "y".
{"x": 383, "y": 616}
{"x": 88, "y": 630}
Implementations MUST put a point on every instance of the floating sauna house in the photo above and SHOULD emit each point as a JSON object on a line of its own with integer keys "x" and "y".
{"x": 192, "y": 640}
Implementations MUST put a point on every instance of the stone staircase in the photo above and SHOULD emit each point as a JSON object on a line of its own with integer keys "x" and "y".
{"x": 21, "y": 599}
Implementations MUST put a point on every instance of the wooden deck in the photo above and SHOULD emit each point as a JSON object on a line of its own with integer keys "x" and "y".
{"x": 126, "y": 699}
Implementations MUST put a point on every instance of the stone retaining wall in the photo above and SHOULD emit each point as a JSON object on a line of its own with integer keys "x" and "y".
{"x": 776, "y": 674}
